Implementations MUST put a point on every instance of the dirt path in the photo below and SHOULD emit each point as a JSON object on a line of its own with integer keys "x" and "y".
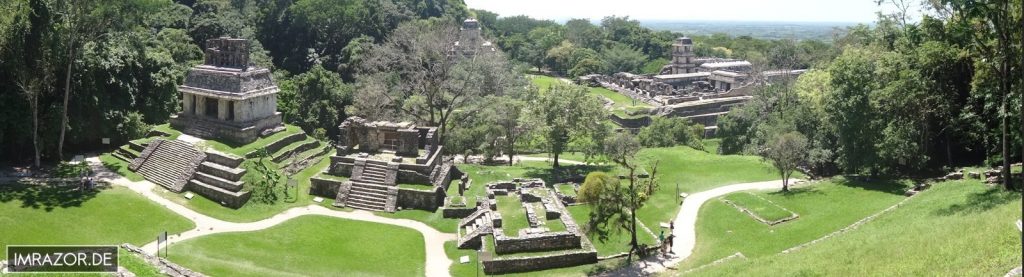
{"x": 685, "y": 228}
{"x": 437, "y": 263}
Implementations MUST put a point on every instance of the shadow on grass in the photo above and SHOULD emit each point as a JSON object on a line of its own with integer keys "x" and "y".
{"x": 881, "y": 185}
{"x": 795, "y": 192}
{"x": 565, "y": 173}
{"x": 980, "y": 202}
{"x": 48, "y": 196}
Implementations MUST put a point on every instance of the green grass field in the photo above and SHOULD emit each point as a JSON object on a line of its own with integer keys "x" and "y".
{"x": 241, "y": 150}
{"x": 513, "y": 216}
{"x": 617, "y": 241}
{"x": 824, "y": 207}
{"x": 958, "y": 228}
{"x": 119, "y": 166}
{"x": 308, "y": 246}
{"x": 33, "y": 214}
{"x": 695, "y": 171}
{"x": 759, "y": 206}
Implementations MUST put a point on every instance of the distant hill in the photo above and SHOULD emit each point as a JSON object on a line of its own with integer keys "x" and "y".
{"x": 825, "y": 31}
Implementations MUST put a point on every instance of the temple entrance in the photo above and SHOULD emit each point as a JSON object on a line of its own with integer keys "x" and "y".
{"x": 211, "y": 107}
{"x": 231, "y": 111}
{"x": 390, "y": 140}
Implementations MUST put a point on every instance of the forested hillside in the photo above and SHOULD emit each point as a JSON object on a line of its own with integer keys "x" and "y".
{"x": 112, "y": 66}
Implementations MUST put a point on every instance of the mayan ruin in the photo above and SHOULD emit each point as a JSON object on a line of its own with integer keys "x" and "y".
{"x": 511, "y": 138}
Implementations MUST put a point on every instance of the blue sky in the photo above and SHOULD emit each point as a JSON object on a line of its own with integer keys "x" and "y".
{"x": 854, "y": 11}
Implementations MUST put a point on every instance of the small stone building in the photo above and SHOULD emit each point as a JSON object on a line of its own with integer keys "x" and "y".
{"x": 376, "y": 157}
{"x": 225, "y": 98}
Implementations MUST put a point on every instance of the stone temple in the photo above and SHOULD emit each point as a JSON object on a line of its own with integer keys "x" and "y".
{"x": 225, "y": 98}
{"x": 386, "y": 166}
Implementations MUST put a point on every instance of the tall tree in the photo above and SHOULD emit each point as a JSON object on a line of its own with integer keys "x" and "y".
{"x": 84, "y": 21}
{"x": 415, "y": 76}
{"x": 617, "y": 203}
{"x": 566, "y": 113}
{"x": 991, "y": 21}
{"x": 786, "y": 152}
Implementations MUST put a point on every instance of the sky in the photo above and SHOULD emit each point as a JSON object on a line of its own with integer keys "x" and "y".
{"x": 847, "y": 11}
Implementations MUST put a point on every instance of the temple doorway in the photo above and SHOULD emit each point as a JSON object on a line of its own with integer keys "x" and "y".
{"x": 211, "y": 107}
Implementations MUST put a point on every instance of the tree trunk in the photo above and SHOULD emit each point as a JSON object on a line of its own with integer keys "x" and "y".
{"x": 1005, "y": 87}
{"x": 67, "y": 94}
{"x": 510, "y": 157}
{"x": 555, "y": 165}
{"x": 35, "y": 127}
{"x": 785, "y": 183}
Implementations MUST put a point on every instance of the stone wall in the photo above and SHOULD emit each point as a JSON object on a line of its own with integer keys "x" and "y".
{"x": 524, "y": 264}
{"x": 631, "y": 123}
{"x": 420, "y": 199}
{"x": 224, "y": 159}
{"x": 273, "y": 147}
{"x": 323, "y": 187}
{"x": 457, "y": 212}
{"x": 234, "y": 200}
{"x": 536, "y": 242}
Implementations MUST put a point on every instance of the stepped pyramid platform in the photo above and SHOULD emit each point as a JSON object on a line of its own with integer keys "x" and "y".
{"x": 178, "y": 166}
{"x": 376, "y": 157}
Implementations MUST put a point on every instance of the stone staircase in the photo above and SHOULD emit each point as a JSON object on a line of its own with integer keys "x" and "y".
{"x": 369, "y": 188}
{"x": 169, "y": 163}
{"x": 221, "y": 182}
{"x": 473, "y": 227}
{"x": 200, "y": 129}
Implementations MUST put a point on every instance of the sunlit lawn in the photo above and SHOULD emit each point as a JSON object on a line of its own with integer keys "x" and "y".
{"x": 957, "y": 228}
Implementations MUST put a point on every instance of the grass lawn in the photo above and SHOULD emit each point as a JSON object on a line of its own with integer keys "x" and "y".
{"x": 119, "y": 166}
{"x": 566, "y": 189}
{"x": 433, "y": 219}
{"x": 695, "y": 171}
{"x": 166, "y": 128}
{"x": 824, "y": 207}
{"x": 241, "y": 150}
{"x": 957, "y": 228}
{"x": 616, "y": 242}
{"x": 513, "y": 215}
{"x": 33, "y": 214}
{"x": 308, "y": 246}
{"x": 759, "y": 206}
{"x": 253, "y": 210}
{"x": 621, "y": 100}
{"x": 543, "y": 82}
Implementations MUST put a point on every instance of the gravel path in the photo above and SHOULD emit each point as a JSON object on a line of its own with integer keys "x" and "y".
{"x": 437, "y": 263}
{"x": 685, "y": 228}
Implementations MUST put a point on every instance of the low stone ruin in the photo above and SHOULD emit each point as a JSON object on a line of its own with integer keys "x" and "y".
{"x": 376, "y": 156}
{"x": 484, "y": 229}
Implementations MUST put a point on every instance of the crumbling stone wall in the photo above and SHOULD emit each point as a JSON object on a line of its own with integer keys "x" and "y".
{"x": 523, "y": 264}
{"x": 420, "y": 199}
{"x": 536, "y": 242}
{"x": 323, "y": 187}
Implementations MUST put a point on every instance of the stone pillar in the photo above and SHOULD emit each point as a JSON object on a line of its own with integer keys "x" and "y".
{"x": 200, "y": 105}
{"x": 188, "y": 104}
{"x": 238, "y": 111}
{"x": 222, "y": 109}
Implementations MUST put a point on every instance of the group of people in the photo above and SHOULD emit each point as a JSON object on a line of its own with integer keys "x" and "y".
{"x": 87, "y": 183}
{"x": 666, "y": 245}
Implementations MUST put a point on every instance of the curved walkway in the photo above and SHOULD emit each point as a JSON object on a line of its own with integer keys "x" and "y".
{"x": 685, "y": 227}
{"x": 437, "y": 262}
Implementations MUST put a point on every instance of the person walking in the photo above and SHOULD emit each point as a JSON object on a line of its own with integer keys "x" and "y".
{"x": 661, "y": 239}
